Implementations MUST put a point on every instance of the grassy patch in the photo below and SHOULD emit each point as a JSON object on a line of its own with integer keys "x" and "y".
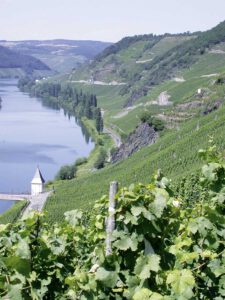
{"x": 13, "y": 213}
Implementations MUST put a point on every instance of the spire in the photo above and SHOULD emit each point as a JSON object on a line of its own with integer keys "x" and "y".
{"x": 38, "y": 178}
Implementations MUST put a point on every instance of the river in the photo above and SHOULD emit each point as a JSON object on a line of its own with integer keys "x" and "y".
{"x": 32, "y": 135}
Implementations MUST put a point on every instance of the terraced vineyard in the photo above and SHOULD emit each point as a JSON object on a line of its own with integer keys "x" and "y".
{"x": 182, "y": 88}
{"x": 175, "y": 154}
{"x": 183, "y": 70}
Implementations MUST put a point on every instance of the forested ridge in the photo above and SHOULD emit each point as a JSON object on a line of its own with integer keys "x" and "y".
{"x": 128, "y": 41}
{"x": 145, "y": 61}
{"x": 59, "y": 55}
{"x": 165, "y": 66}
{"x": 13, "y": 59}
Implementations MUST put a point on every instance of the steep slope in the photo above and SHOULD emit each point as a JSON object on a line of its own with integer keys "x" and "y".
{"x": 190, "y": 101}
{"x": 13, "y": 60}
{"x": 142, "y": 62}
{"x": 175, "y": 153}
{"x": 122, "y": 75}
{"x": 125, "y": 61}
{"x": 60, "y": 55}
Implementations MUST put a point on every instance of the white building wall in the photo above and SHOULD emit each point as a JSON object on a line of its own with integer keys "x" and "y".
{"x": 36, "y": 189}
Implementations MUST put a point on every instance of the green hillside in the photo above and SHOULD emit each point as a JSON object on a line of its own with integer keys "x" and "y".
{"x": 139, "y": 63}
{"x": 125, "y": 62}
{"x": 181, "y": 88}
{"x": 189, "y": 99}
{"x": 175, "y": 153}
{"x": 60, "y": 55}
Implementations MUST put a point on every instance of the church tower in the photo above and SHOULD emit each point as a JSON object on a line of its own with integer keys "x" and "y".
{"x": 37, "y": 183}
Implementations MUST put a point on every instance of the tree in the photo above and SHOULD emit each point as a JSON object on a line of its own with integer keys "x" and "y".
{"x": 67, "y": 172}
{"x": 157, "y": 124}
{"x": 99, "y": 120}
{"x": 100, "y": 162}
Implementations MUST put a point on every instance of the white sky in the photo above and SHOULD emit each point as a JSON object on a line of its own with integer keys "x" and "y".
{"x": 106, "y": 20}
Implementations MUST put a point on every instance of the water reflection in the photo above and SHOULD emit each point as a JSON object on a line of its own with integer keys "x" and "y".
{"x": 35, "y": 132}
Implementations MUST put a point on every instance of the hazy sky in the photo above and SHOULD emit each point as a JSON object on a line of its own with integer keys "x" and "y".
{"x": 106, "y": 20}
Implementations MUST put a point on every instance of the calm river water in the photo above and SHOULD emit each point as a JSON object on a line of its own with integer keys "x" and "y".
{"x": 30, "y": 135}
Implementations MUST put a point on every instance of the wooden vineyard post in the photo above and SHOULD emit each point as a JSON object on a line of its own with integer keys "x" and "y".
{"x": 110, "y": 223}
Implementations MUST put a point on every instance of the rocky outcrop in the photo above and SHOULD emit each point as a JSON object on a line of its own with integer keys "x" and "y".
{"x": 135, "y": 95}
{"x": 144, "y": 135}
{"x": 210, "y": 108}
{"x": 163, "y": 99}
{"x": 190, "y": 105}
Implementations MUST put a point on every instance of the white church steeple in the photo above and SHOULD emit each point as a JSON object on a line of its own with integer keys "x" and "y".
{"x": 37, "y": 183}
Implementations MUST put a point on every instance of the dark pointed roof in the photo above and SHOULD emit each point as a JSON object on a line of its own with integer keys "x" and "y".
{"x": 38, "y": 178}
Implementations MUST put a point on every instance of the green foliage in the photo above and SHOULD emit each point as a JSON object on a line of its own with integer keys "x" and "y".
{"x": 100, "y": 162}
{"x": 184, "y": 55}
{"x": 162, "y": 249}
{"x": 64, "y": 96}
{"x": 80, "y": 161}
{"x": 145, "y": 61}
{"x": 67, "y": 172}
{"x": 13, "y": 213}
{"x": 127, "y": 42}
{"x": 174, "y": 153}
{"x": 157, "y": 124}
{"x": 99, "y": 120}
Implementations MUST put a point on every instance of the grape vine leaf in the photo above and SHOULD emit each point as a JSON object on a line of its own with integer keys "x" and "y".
{"x": 145, "y": 264}
{"x": 108, "y": 278}
{"x": 146, "y": 294}
{"x": 19, "y": 264}
{"x": 14, "y": 292}
{"x": 182, "y": 282}
{"x": 73, "y": 217}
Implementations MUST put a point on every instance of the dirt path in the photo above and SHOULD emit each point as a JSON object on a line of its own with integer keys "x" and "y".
{"x": 115, "y": 137}
{"x": 96, "y": 82}
{"x": 37, "y": 202}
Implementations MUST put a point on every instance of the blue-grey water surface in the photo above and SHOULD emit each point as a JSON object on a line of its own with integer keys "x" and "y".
{"x": 5, "y": 204}
{"x": 30, "y": 135}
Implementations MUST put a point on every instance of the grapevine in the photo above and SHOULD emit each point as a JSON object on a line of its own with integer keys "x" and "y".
{"x": 163, "y": 246}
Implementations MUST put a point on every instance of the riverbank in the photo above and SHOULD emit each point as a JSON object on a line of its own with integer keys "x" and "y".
{"x": 102, "y": 141}
{"x": 58, "y": 139}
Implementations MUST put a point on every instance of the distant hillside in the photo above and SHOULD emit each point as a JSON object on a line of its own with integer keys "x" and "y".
{"x": 141, "y": 62}
{"x": 177, "y": 79}
{"x": 60, "y": 55}
{"x": 13, "y": 60}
